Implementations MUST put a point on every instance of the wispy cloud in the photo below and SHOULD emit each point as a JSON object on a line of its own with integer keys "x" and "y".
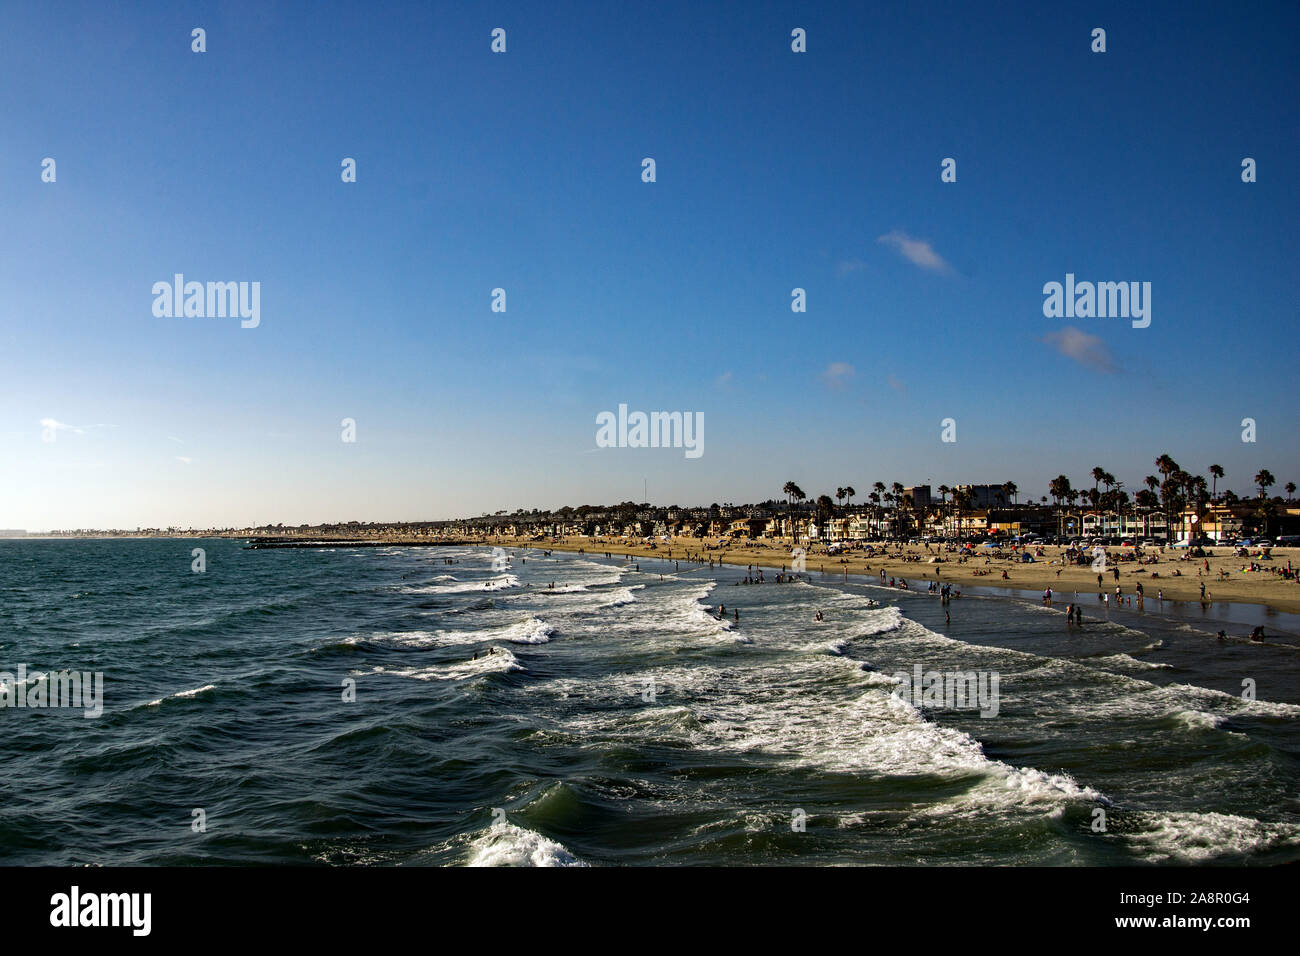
{"x": 724, "y": 380}
{"x": 837, "y": 374}
{"x": 847, "y": 266}
{"x": 919, "y": 252}
{"x": 897, "y": 384}
{"x": 185, "y": 460}
{"x": 175, "y": 439}
{"x": 54, "y": 425}
{"x": 1087, "y": 350}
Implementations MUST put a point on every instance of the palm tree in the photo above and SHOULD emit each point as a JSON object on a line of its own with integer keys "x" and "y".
{"x": 1290, "y": 490}
{"x": 824, "y": 510}
{"x": 1152, "y": 482}
{"x": 791, "y": 491}
{"x": 1216, "y": 472}
{"x": 1171, "y": 497}
{"x": 1010, "y": 489}
{"x": 1263, "y": 480}
{"x": 961, "y": 498}
{"x": 1060, "y": 489}
{"x": 839, "y": 494}
{"x": 1098, "y": 476}
{"x": 849, "y": 493}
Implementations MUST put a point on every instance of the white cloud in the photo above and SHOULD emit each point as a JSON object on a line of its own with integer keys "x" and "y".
{"x": 182, "y": 458}
{"x": 916, "y": 251}
{"x": 837, "y": 374}
{"x": 1087, "y": 350}
{"x": 53, "y": 424}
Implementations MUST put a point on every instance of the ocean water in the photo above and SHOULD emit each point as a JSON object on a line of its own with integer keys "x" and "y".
{"x": 618, "y": 722}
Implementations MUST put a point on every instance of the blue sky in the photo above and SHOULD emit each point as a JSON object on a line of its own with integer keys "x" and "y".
{"x": 775, "y": 170}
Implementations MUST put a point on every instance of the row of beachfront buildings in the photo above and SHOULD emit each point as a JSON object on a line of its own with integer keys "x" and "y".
{"x": 1217, "y": 521}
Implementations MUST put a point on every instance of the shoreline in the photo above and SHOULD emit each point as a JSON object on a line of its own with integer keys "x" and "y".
{"x": 1033, "y": 577}
{"x": 910, "y": 562}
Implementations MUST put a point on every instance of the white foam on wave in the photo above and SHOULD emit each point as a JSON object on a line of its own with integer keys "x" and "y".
{"x": 184, "y": 694}
{"x": 501, "y": 582}
{"x": 1131, "y": 663}
{"x": 1187, "y": 837}
{"x": 810, "y": 711}
{"x": 500, "y": 662}
{"x": 530, "y": 630}
{"x": 622, "y": 596}
{"x": 505, "y": 844}
{"x": 1199, "y": 719}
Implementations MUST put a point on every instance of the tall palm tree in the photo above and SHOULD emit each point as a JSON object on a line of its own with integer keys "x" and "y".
{"x": 791, "y": 490}
{"x": 1216, "y": 472}
{"x": 1011, "y": 490}
{"x": 1060, "y": 489}
{"x": 1290, "y": 490}
{"x": 839, "y": 494}
{"x": 961, "y": 499}
{"x": 1264, "y": 480}
{"x": 824, "y": 511}
{"x": 1098, "y": 476}
{"x": 849, "y": 493}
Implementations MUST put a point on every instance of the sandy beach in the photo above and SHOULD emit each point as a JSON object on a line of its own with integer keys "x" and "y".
{"x": 1175, "y": 574}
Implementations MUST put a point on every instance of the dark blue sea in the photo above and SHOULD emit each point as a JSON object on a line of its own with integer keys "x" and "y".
{"x": 567, "y": 710}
